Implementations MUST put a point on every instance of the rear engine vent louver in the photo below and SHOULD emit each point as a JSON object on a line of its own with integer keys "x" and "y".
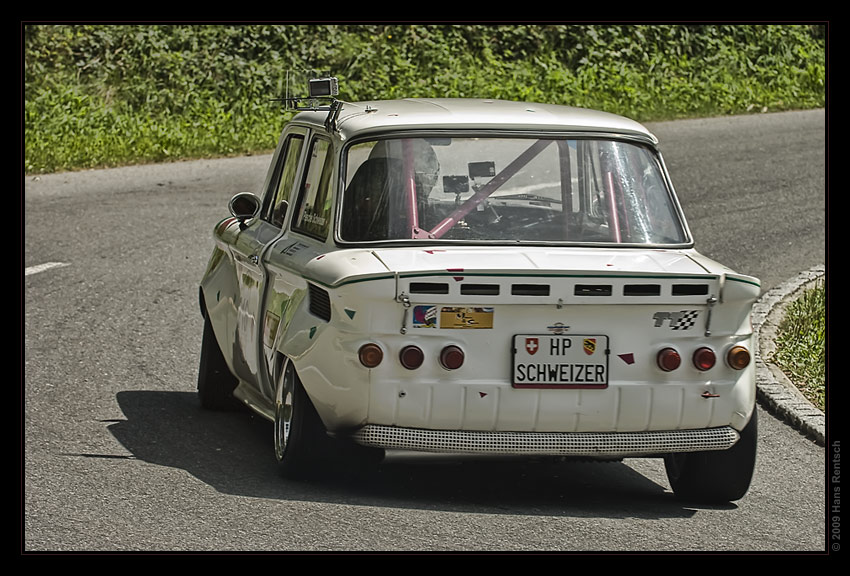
{"x": 480, "y": 289}
{"x": 428, "y": 288}
{"x": 641, "y": 290}
{"x": 320, "y": 302}
{"x": 593, "y": 290}
{"x": 690, "y": 289}
{"x": 530, "y": 290}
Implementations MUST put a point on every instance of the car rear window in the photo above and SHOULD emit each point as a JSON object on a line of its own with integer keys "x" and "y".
{"x": 507, "y": 190}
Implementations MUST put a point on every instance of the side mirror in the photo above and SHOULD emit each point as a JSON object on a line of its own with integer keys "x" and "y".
{"x": 245, "y": 206}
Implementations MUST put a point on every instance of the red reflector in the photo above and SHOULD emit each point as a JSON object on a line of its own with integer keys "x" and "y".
{"x": 451, "y": 358}
{"x": 669, "y": 359}
{"x": 370, "y": 355}
{"x": 411, "y": 357}
{"x": 738, "y": 357}
{"x": 704, "y": 359}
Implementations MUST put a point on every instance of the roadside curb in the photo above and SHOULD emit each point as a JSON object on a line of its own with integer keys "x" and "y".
{"x": 773, "y": 389}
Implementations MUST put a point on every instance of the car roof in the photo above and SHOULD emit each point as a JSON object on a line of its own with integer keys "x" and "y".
{"x": 362, "y": 118}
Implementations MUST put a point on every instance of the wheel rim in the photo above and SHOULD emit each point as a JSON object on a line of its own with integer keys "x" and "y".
{"x": 283, "y": 410}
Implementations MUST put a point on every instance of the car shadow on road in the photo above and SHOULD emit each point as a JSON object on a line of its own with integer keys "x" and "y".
{"x": 233, "y": 453}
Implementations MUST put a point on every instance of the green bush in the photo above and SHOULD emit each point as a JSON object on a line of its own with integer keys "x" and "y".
{"x": 104, "y": 95}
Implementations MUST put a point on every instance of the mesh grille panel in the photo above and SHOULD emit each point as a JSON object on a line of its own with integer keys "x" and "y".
{"x": 547, "y": 443}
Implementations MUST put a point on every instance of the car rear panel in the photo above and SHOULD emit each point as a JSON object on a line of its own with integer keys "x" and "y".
{"x": 624, "y": 305}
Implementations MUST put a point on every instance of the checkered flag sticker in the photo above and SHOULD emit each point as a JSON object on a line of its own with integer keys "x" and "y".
{"x": 686, "y": 319}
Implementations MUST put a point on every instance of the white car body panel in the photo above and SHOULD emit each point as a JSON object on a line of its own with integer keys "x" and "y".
{"x": 479, "y": 396}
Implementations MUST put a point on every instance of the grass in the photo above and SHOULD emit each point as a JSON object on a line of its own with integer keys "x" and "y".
{"x": 801, "y": 349}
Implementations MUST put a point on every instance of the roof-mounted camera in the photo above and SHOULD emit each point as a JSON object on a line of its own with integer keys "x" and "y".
{"x": 323, "y": 87}
{"x": 321, "y": 91}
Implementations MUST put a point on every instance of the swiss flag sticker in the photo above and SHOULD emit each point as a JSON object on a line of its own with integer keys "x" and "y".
{"x": 531, "y": 345}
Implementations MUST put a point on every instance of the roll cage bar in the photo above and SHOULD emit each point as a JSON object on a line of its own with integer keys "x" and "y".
{"x": 613, "y": 195}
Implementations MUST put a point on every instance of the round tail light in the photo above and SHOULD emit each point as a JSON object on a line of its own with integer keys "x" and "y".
{"x": 668, "y": 359}
{"x": 411, "y": 357}
{"x": 704, "y": 359}
{"x": 370, "y": 355}
{"x": 738, "y": 357}
{"x": 451, "y": 358}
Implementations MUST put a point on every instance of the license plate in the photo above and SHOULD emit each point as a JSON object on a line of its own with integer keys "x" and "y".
{"x": 560, "y": 361}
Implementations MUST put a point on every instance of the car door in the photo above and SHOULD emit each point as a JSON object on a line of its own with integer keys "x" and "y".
{"x": 304, "y": 237}
{"x": 251, "y": 243}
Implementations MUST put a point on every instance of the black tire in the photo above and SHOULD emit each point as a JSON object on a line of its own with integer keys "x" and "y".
{"x": 300, "y": 440}
{"x": 716, "y": 476}
{"x": 303, "y": 448}
{"x": 215, "y": 382}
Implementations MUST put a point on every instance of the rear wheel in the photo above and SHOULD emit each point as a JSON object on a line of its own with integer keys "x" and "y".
{"x": 716, "y": 476}
{"x": 302, "y": 445}
{"x": 215, "y": 382}
{"x": 300, "y": 440}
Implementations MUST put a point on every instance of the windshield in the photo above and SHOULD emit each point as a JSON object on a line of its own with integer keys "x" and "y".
{"x": 507, "y": 189}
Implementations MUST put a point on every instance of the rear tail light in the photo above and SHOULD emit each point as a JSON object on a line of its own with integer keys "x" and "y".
{"x": 738, "y": 357}
{"x": 370, "y": 355}
{"x": 411, "y": 357}
{"x": 451, "y": 358}
{"x": 668, "y": 359}
{"x": 704, "y": 359}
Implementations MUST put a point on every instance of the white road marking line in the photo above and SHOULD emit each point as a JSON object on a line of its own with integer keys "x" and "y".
{"x": 43, "y": 267}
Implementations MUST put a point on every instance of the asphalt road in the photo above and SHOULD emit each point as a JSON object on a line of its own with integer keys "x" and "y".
{"x": 118, "y": 455}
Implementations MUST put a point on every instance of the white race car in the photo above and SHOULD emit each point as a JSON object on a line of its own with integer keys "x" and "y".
{"x": 460, "y": 275}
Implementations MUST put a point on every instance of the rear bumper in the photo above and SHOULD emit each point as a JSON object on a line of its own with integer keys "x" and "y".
{"x": 587, "y": 444}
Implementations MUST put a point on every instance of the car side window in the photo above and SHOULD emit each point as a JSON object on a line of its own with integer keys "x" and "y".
{"x": 282, "y": 198}
{"x": 313, "y": 212}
